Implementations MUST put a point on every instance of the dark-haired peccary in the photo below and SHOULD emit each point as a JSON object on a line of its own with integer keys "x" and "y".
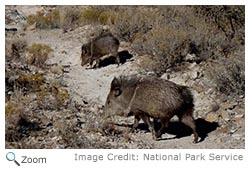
{"x": 102, "y": 45}
{"x": 147, "y": 96}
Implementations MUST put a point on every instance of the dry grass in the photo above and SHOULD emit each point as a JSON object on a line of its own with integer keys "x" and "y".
{"x": 38, "y": 54}
{"x": 228, "y": 74}
{"x": 14, "y": 48}
{"x": 74, "y": 16}
{"x": 50, "y": 20}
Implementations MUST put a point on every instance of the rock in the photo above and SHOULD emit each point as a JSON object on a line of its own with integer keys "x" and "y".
{"x": 225, "y": 115}
{"x": 212, "y": 117}
{"x": 237, "y": 136}
{"x": 190, "y": 57}
{"x": 57, "y": 69}
{"x": 194, "y": 75}
{"x": 239, "y": 116}
{"x": 192, "y": 65}
{"x": 214, "y": 107}
{"x": 242, "y": 96}
{"x": 229, "y": 106}
{"x": 233, "y": 129}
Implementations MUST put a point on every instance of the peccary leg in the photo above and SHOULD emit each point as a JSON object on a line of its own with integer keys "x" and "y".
{"x": 189, "y": 121}
{"x": 117, "y": 59}
{"x": 97, "y": 63}
{"x": 136, "y": 122}
{"x": 147, "y": 121}
{"x": 91, "y": 62}
{"x": 164, "y": 124}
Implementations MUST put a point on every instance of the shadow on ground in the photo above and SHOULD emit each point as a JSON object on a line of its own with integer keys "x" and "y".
{"x": 181, "y": 130}
{"x": 123, "y": 55}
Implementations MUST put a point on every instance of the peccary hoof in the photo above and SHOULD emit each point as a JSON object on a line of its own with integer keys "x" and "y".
{"x": 157, "y": 137}
{"x": 195, "y": 140}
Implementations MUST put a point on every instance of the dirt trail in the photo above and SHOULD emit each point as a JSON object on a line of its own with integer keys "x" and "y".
{"x": 92, "y": 85}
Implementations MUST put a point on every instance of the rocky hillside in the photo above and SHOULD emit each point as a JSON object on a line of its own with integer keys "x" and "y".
{"x": 54, "y": 102}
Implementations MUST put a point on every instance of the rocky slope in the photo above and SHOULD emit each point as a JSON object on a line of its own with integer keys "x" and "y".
{"x": 79, "y": 124}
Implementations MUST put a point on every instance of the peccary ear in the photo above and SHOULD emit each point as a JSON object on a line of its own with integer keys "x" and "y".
{"x": 117, "y": 91}
{"x": 84, "y": 50}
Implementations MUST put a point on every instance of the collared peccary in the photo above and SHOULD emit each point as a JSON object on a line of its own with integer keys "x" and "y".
{"x": 102, "y": 45}
{"x": 147, "y": 96}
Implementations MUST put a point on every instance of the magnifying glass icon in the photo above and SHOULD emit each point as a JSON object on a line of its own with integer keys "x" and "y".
{"x": 10, "y": 156}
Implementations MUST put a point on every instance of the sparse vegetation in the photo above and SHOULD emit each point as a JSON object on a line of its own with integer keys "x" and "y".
{"x": 72, "y": 16}
{"x": 14, "y": 48}
{"x": 228, "y": 78}
{"x": 50, "y": 20}
{"x": 129, "y": 24}
{"x": 38, "y": 54}
{"x": 57, "y": 105}
{"x": 89, "y": 16}
{"x": 31, "y": 82}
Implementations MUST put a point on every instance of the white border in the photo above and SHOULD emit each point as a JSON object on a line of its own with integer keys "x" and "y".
{"x": 64, "y": 158}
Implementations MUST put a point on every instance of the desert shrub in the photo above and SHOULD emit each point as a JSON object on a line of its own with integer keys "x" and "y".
{"x": 228, "y": 74}
{"x": 42, "y": 20}
{"x": 107, "y": 17}
{"x": 69, "y": 17}
{"x": 52, "y": 97}
{"x": 11, "y": 108}
{"x": 27, "y": 103}
{"x": 166, "y": 45}
{"x": 95, "y": 16}
{"x": 15, "y": 109}
{"x": 223, "y": 32}
{"x": 38, "y": 54}
{"x": 73, "y": 16}
{"x": 129, "y": 23}
{"x": 30, "y": 82}
{"x": 148, "y": 63}
{"x": 181, "y": 30}
{"x": 13, "y": 48}
{"x": 20, "y": 44}
{"x": 89, "y": 16}
{"x": 229, "y": 19}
